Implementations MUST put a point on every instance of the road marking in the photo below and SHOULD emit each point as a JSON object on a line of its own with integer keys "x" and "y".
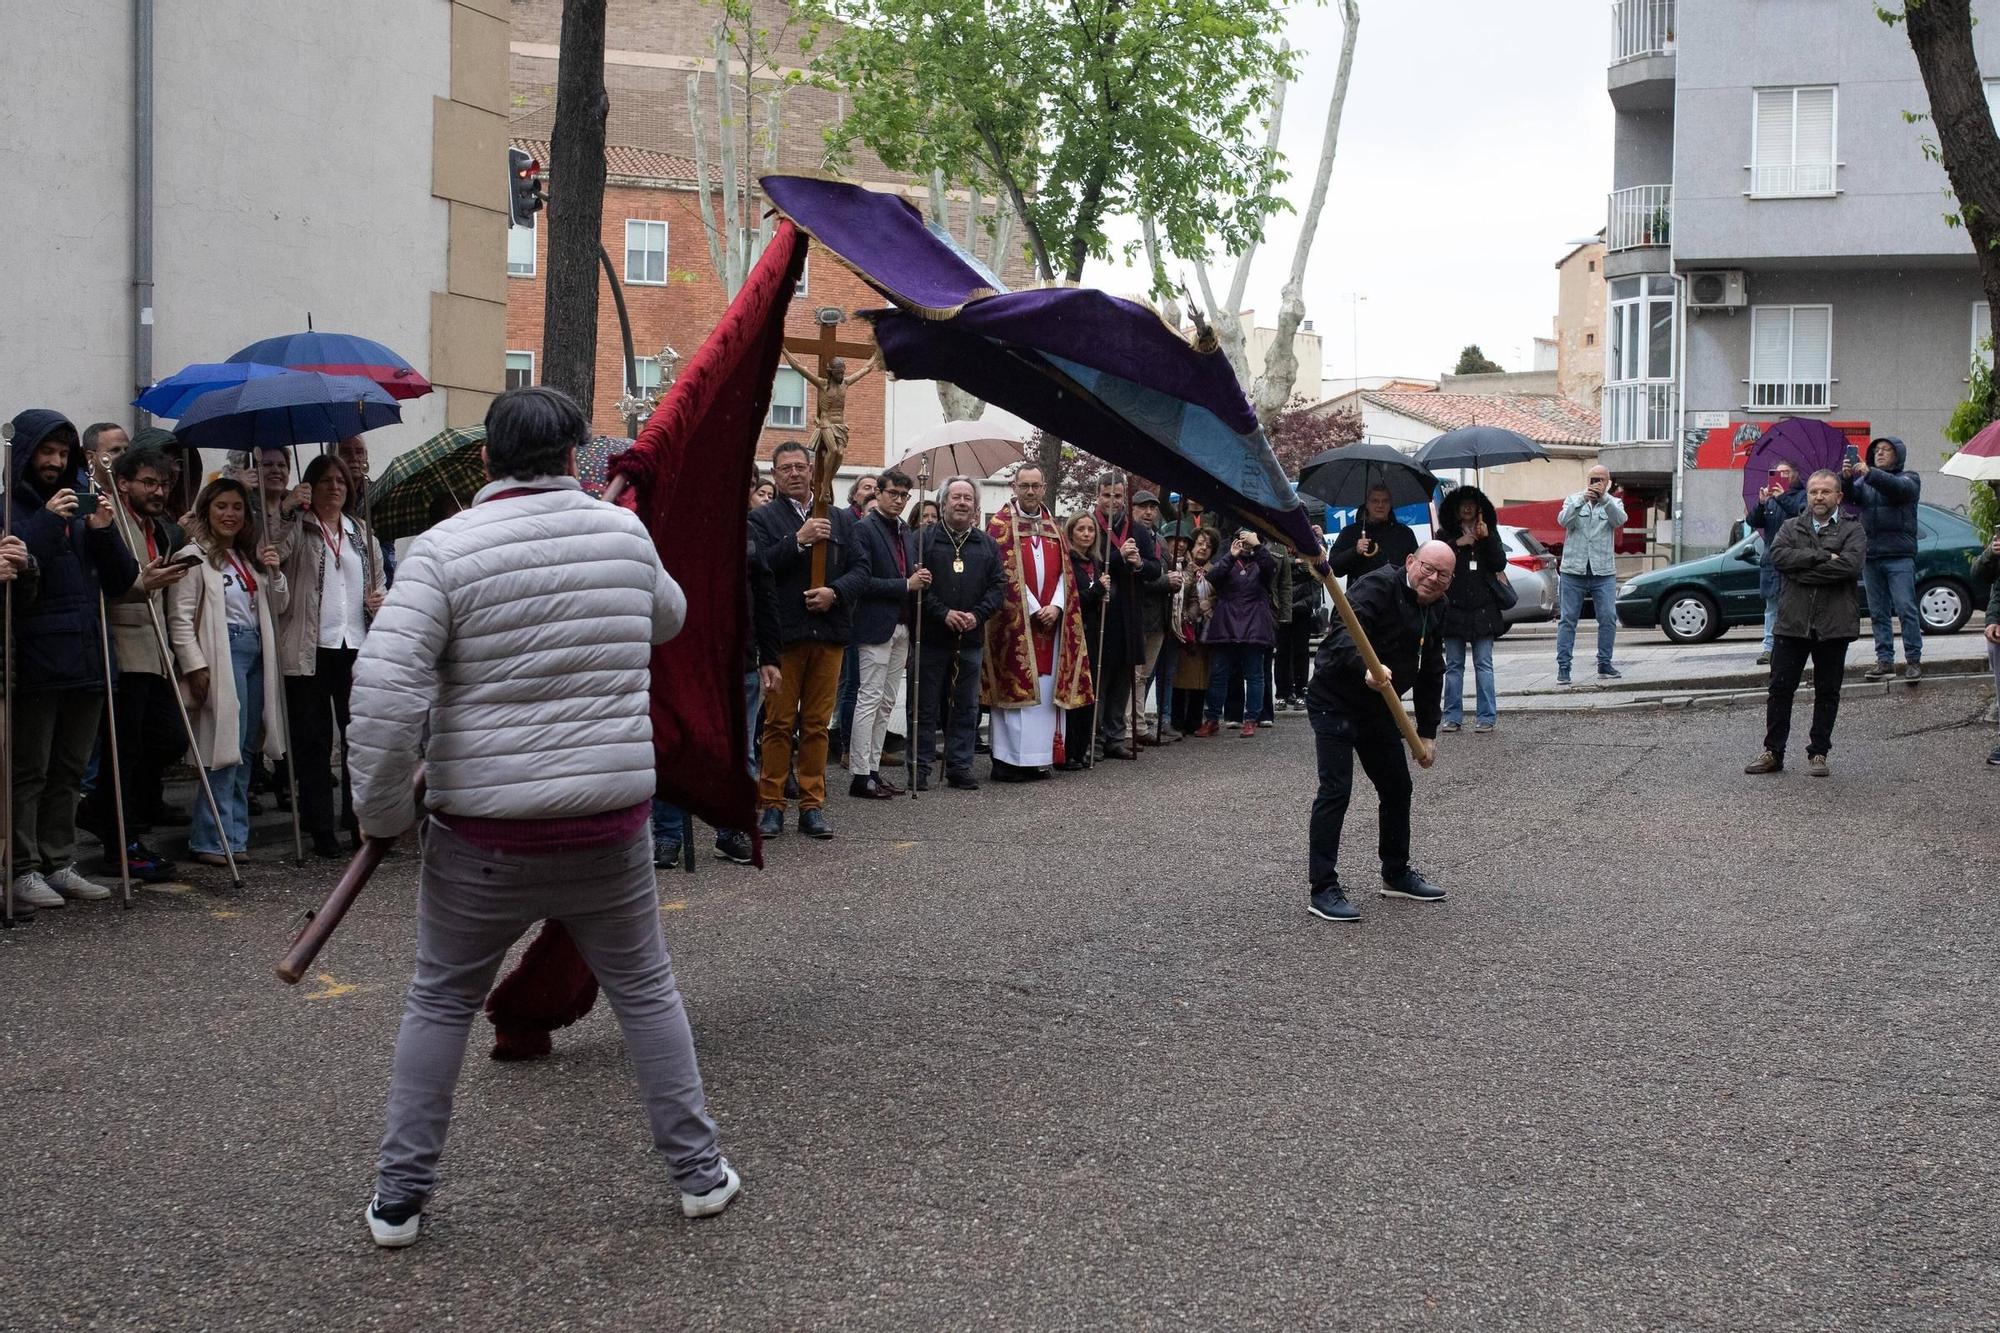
{"x": 901, "y": 846}
{"x": 331, "y": 989}
{"x": 167, "y": 888}
{"x": 678, "y": 905}
{"x": 225, "y": 915}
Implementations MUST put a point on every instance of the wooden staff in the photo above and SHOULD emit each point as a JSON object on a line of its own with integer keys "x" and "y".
{"x": 1097, "y": 694}
{"x": 284, "y": 703}
{"x": 111, "y": 740}
{"x": 916, "y": 643}
{"x": 159, "y": 623}
{"x": 7, "y": 704}
{"x": 1391, "y": 698}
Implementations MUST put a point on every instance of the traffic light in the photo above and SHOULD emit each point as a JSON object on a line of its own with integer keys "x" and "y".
{"x": 524, "y": 188}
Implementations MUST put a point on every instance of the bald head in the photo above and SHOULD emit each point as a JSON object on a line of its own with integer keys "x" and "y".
{"x": 1429, "y": 569}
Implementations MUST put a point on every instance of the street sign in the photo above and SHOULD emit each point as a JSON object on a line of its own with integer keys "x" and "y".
{"x": 1710, "y": 420}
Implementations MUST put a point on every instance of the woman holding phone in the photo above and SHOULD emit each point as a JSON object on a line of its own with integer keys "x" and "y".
{"x": 222, "y": 622}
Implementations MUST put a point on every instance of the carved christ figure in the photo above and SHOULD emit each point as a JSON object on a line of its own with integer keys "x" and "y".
{"x": 829, "y": 433}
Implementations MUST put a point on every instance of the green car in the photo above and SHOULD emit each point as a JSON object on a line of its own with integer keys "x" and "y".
{"x": 1697, "y": 600}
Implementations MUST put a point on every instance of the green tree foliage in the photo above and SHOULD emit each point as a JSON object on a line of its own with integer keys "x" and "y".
{"x": 1472, "y": 361}
{"x": 1076, "y": 112}
{"x": 1980, "y": 406}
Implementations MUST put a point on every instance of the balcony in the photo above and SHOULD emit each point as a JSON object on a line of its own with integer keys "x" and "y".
{"x": 1642, "y": 55}
{"x": 1641, "y": 28}
{"x": 1641, "y": 216}
{"x": 1640, "y": 413}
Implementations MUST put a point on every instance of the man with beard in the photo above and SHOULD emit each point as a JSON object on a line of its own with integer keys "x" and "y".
{"x": 1374, "y": 540}
{"x": 965, "y": 592}
{"x": 1402, "y": 613}
{"x": 59, "y": 652}
{"x": 1132, "y": 556}
{"x": 150, "y": 735}
{"x": 1034, "y": 665}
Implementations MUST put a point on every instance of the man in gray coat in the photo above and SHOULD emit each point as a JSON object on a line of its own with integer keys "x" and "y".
{"x": 518, "y": 637}
{"x": 1819, "y": 556}
{"x": 1590, "y": 520}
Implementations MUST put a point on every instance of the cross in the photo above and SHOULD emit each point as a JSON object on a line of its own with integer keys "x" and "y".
{"x": 825, "y": 346}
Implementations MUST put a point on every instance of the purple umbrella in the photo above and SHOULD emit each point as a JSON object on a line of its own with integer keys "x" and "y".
{"x": 1806, "y": 444}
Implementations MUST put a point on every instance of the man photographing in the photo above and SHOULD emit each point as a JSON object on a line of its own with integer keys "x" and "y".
{"x": 538, "y": 784}
{"x": 1401, "y": 612}
{"x": 1590, "y": 521}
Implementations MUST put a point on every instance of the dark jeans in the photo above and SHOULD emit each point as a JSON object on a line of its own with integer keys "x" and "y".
{"x": 1294, "y": 657}
{"x": 1114, "y": 687}
{"x": 1788, "y": 664}
{"x": 1236, "y": 680}
{"x": 850, "y": 694}
{"x": 950, "y": 673}
{"x": 1339, "y": 743}
{"x": 150, "y": 740}
{"x": 318, "y": 708}
{"x": 1165, "y": 665}
{"x": 53, "y": 733}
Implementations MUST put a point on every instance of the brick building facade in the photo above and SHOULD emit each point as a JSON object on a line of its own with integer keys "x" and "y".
{"x": 654, "y": 234}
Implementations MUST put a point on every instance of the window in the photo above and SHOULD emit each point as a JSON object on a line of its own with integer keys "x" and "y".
{"x": 788, "y": 399}
{"x": 753, "y": 246}
{"x": 1982, "y": 332}
{"x": 647, "y": 369}
{"x": 1642, "y": 330}
{"x": 1590, "y": 340}
{"x": 1592, "y": 268}
{"x": 520, "y": 369}
{"x": 646, "y": 252}
{"x": 1791, "y": 142}
{"x": 521, "y": 250}
{"x": 1791, "y": 355}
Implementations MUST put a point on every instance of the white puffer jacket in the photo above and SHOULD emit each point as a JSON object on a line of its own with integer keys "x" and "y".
{"x": 518, "y": 633}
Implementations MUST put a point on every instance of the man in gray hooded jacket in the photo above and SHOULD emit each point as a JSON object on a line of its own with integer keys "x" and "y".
{"x": 1887, "y": 497}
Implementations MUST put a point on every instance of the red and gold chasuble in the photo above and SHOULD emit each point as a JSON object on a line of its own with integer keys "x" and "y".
{"x": 1018, "y": 654}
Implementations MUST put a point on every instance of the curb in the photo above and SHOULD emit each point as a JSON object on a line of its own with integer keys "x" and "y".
{"x": 1946, "y": 670}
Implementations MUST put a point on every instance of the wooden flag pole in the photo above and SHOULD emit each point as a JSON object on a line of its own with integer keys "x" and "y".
{"x": 1419, "y": 748}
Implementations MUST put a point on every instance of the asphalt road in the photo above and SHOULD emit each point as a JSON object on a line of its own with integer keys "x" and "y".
{"x": 1685, "y": 1050}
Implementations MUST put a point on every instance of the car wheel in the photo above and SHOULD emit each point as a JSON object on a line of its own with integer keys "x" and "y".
{"x": 1944, "y": 605}
{"x": 1688, "y": 615}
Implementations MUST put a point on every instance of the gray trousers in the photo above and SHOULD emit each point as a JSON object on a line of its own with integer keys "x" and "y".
{"x": 53, "y": 733}
{"x": 471, "y": 906}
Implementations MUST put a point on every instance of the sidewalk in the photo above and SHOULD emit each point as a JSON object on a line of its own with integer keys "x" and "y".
{"x": 1525, "y": 666}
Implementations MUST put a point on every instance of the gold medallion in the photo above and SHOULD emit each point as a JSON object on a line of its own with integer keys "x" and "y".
{"x": 958, "y": 566}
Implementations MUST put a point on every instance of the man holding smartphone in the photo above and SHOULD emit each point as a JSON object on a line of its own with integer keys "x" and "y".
{"x": 1590, "y": 521}
{"x": 1783, "y": 497}
{"x": 1887, "y": 497}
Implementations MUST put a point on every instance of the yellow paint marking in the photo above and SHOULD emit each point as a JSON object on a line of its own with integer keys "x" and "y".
{"x": 901, "y": 846}
{"x": 678, "y": 905}
{"x": 330, "y": 989}
{"x": 225, "y": 916}
{"x": 167, "y": 888}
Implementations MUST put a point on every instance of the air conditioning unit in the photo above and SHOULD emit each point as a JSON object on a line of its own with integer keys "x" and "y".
{"x": 1716, "y": 289}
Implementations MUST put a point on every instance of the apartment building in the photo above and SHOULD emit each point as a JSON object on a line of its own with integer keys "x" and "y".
{"x": 1775, "y": 245}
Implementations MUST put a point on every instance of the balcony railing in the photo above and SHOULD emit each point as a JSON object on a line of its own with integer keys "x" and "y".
{"x": 1640, "y": 216}
{"x": 1639, "y": 413}
{"x": 1641, "y": 28}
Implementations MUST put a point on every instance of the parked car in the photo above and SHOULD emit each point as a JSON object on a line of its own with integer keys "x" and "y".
{"x": 1531, "y": 572}
{"x": 1698, "y": 600}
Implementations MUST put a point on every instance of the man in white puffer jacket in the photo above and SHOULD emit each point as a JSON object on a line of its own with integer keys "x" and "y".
{"x": 517, "y": 638}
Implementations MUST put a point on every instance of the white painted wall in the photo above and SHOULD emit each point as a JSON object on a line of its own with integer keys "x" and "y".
{"x": 292, "y": 174}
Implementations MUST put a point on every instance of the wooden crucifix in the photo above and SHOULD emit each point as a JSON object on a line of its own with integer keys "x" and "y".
{"x": 829, "y": 432}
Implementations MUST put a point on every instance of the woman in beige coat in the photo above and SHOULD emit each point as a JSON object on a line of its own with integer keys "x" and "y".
{"x": 222, "y": 622}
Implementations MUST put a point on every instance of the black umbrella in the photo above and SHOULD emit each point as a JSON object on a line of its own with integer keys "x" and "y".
{"x": 1343, "y": 477}
{"x": 1478, "y": 447}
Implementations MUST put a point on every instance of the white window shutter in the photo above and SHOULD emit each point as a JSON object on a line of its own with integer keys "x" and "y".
{"x": 1813, "y": 155}
{"x": 1770, "y": 344}
{"x": 1812, "y": 345}
{"x": 1771, "y": 153}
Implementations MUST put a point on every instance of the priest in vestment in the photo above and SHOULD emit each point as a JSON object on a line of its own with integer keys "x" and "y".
{"x": 1035, "y": 663}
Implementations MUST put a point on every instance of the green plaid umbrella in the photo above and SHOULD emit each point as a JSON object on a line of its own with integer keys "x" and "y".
{"x": 446, "y": 467}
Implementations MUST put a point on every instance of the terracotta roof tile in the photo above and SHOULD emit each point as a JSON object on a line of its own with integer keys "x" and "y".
{"x": 626, "y": 160}
{"x": 1543, "y": 418}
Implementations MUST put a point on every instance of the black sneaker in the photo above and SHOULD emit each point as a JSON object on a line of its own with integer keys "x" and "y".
{"x": 961, "y": 781}
{"x": 1880, "y": 671}
{"x": 1412, "y": 884}
{"x": 666, "y": 854}
{"x": 394, "y": 1225}
{"x": 1610, "y": 673}
{"x": 1912, "y": 673}
{"x": 1330, "y": 904}
{"x": 147, "y": 865}
{"x": 733, "y": 845}
{"x": 1562, "y": 677}
{"x": 1994, "y": 758}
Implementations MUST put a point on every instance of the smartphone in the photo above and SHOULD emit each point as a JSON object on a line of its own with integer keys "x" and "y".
{"x": 1851, "y": 456}
{"x": 186, "y": 561}
{"x": 87, "y": 500}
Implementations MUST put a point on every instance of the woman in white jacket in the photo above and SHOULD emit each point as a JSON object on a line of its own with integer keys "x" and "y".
{"x": 223, "y": 625}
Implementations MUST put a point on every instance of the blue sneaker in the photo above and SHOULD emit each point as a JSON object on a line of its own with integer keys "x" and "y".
{"x": 1330, "y": 904}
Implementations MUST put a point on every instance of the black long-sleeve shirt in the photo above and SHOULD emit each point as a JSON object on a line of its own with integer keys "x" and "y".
{"x": 1407, "y": 637}
{"x": 979, "y": 587}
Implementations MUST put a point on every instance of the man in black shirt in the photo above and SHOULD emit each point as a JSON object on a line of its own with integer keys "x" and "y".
{"x": 965, "y": 591}
{"x": 1402, "y": 612}
{"x": 1374, "y": 540}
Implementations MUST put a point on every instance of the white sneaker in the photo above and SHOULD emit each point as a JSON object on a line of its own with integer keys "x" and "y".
{"x": 33, "y": 890}
{"x": 401, "y": 1227}
{"x": 715, "y": 1200}
{"x": 70, "y": 884}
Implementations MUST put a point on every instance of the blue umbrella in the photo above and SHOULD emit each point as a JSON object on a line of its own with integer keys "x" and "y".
{"x": 176, "y": 393}
{"x": 339, "y": 354}
{"x": 291, "y": 407}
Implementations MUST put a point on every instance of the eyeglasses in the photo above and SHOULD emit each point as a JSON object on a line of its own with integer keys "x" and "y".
{"x": 1427, "y": 570}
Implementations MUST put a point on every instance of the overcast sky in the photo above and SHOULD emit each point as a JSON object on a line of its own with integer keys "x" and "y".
{"x": 1474, "y": 150}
